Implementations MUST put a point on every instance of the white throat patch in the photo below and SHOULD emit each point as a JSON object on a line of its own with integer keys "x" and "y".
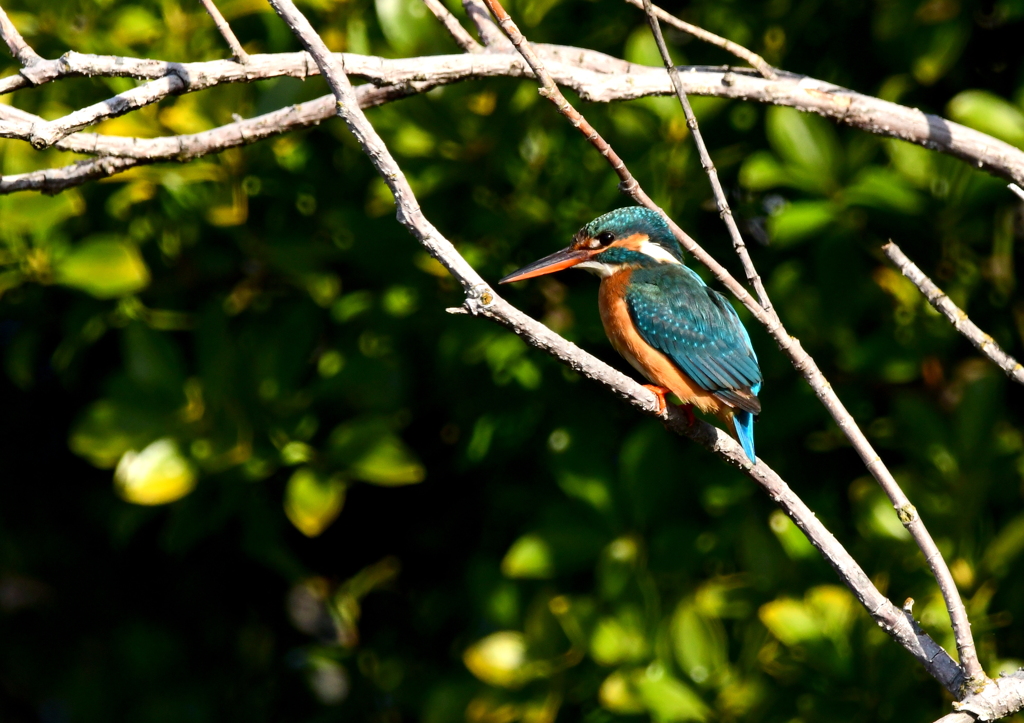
{"x": 598, "y": 268}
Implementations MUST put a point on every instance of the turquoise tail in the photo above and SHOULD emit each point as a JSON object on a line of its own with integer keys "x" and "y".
{"x": 744, "y": 423}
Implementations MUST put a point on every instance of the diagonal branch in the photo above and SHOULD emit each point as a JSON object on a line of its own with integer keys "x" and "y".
{"x": 20, "y": 50}
{"x": 756, "y": 61}
{"x": 237, "y": 51}
{"x": 459, "y": 34}
{"x": 800, "y": 359}
{"x": 482, "y": 301}
{"x": 489, "y": 34}
{"x": 705, "y": 161}
{"x": 957, "y": 316}
{"x": 47, "y": 133}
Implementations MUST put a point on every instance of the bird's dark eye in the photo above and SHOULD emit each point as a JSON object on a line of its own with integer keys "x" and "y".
{"x": 605, "y": 237}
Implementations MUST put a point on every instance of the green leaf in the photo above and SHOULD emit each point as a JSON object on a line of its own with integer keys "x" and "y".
{"x": 1006, "y": 546}
{"x": 529, "y": 557}
{"x": 312, "y": 502}
{"x": 882, "y": 189}
{"x": 373, "y": 453}
{"x": 157, "y": 475}
{"x": 667, "y": 698}
{"x": 800, "y": 220}
{"x": 499, "y": 659}
{"x": 806, "y": 142}
{"x": 699, "y": 643}
{"x": 103, "y": 267}
{"x": 108, "y": 429}
{"x": 761, "y": 171}
{"x": 619, "y": 639}
{"x": 988, "y": 113}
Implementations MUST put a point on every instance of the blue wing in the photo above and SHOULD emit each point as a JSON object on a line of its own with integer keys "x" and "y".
{"x": 697, "y": 328}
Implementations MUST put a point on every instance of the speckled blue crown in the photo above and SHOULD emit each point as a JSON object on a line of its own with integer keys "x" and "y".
{"x": 624, "y": 222}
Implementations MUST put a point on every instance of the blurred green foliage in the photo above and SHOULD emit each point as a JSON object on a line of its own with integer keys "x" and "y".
{"x": 255, "y": 471}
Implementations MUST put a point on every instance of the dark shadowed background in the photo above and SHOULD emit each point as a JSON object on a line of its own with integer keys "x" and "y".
{"x": 368, "y": 509}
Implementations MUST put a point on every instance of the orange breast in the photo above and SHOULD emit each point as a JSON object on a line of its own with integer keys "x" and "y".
{"x": 650, "y": 362}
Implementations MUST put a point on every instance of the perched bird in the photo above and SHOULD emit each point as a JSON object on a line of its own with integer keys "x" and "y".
{"x": 660, "y": 315}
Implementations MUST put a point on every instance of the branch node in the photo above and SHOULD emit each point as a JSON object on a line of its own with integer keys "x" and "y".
{"x": 908, "y": 515}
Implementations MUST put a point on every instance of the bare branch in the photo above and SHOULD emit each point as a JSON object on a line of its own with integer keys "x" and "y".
{"x": 1017, "y": 190}
{"x": 20, "y": 50}
{"x": 755, "y": 60}
{"x": 957, "y": 718}
{"x": 957, "y": 316}
{"x": 54, "y": 180}
{"x": 705, "y": 161}
{"x": 590, "y": 74}
{"x": 800, "y": 359}
{"x": 237, "y": 51}
{"x": 46, "y": 134}
{"x": 120, "y": 154}
{"x": 1000, "y": 698}
{"x": 459, "y": 34}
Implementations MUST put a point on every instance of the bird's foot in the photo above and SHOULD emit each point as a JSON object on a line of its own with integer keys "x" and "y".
{"x": 660, "y": 393}
{"x": 688, "y": 411}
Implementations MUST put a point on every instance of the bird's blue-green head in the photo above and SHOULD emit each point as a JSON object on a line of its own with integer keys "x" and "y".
{"x": 631, "y": 237}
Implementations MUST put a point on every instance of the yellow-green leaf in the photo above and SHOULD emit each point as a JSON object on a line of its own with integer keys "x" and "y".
{"x": 155, "y": 476}
{"x": 988, "y": 113}
{"x": 105, "y": 268}
{"x": 313, "y": 502}
{"x": 499, "y": 659}
{"x": 529, "y": 557}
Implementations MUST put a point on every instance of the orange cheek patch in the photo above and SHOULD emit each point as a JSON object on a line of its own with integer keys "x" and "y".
{"x": 633, "y": 243}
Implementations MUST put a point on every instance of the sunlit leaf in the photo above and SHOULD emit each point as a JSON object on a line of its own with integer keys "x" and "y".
{"x": 103, "y": 267}
{"x": 619, "y": 695}
{"x": 668, "y": 698}
{"x": 312, "y": 502}
{"x": 988, "y": 113}
{"x": 499, "y": 659}
{"x": 155, "y": 476}
{"x": 529, "y": 557}
{"x": 620, "y": 639}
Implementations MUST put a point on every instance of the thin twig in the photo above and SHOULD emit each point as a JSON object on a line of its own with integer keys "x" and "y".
{"x": 800, "y": 359}
{"x": 756, "y": 61}
{"x": 459, "y": 34}
{"x": 753, "y": 278}
{"x": 1017, "y": 190}
{"x": 481, "y": 300}
{"x": 957, "y": 316}
{"x": 237, "y": 51}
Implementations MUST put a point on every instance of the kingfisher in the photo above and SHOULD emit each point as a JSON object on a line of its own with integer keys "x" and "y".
{"x": 683, "y": 336}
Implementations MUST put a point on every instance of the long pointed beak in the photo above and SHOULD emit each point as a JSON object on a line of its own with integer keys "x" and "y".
{"x": 557, "y": 261}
